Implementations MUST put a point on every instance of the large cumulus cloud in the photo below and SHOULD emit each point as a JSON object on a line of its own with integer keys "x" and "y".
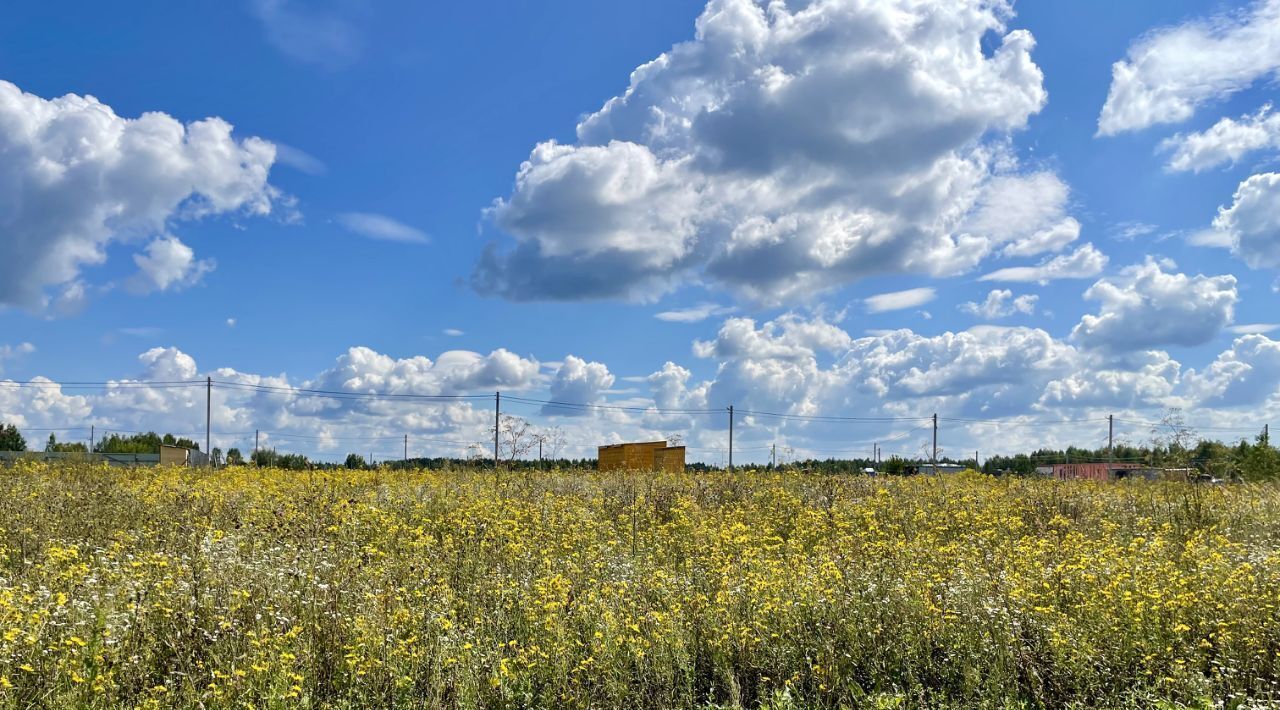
{"x": 75, "y": 177}
{"x": 789, "y": 148}
{"x": 1146, "y": 306}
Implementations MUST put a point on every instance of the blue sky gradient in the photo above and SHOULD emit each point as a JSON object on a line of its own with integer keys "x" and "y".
{"x": 418, "y": 118}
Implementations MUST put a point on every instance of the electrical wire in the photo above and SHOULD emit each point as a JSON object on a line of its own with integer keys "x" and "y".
{"x": 620, "y": 407}
{"x": 338, "y": 394}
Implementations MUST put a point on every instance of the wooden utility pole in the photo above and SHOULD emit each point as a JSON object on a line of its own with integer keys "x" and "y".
{"x": 91, "y": 432}
{"x": 208, "y": 419}
{"x": 934, "y": 458}
{"x": 731, "y": 438}
{"x": 1111, "y": 438}
{"x": 497, "y": 414}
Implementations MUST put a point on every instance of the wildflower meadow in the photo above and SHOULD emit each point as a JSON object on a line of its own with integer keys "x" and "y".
{"x": 247, "y": 587}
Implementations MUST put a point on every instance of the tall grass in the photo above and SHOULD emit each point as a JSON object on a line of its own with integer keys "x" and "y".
{"x": 173, "y": 587}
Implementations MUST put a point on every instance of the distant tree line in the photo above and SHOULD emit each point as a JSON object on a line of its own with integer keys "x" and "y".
{"x": 1244, "y": 461}
{"x": 1172, "y": 445}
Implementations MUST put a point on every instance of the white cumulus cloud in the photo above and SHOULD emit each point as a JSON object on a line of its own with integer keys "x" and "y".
{"x": 787, "y": 149}
{"x": 577, "y": 382}
{"x": 1172, "y": 71}
{"x": 76, "y": 178}
{"x": 1147, "y": 307}
{"x": 167, "y": 264}
{"x": 1226, "y": 141}
{"x": 1250, "y": 227}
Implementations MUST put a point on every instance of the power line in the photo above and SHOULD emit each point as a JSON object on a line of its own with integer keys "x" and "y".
{"x": 1017, "y": 422}
{"x": 125, "y": 384}
{"x": 339, "y": 394}
{"x": 819, "y": 417}
{"x": 620, "y": 407}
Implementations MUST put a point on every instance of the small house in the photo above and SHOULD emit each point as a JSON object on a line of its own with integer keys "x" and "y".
{"x": 641, "y": 456}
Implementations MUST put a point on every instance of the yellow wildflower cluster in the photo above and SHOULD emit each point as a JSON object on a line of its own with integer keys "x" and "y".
{"x": 247, "y": 587}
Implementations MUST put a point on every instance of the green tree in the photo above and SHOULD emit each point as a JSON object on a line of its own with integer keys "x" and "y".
{"x": 145, "y": 443}
{"x": 53, "y": 445}
{"x": 11, "y": 439}
{"x": 234, "y": 457}
{"x": 355, "y": 461}
{"x": 895, "y": 466}
{"x": 1260, "y": 462}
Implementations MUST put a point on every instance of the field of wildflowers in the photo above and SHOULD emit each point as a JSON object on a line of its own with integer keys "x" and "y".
{"x": 269, "y": 588}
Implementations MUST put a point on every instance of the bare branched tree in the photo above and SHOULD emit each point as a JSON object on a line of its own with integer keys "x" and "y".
{"x": 675, "y": 439}
{"x": 516, "y": 437}
{"x": 553, "y": 442}
{"x": 1175, "y": 436}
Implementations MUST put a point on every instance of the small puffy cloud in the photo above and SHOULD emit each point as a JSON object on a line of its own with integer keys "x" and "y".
{"x": 77, "y": 178}
{"x": 1147, "y": 307}
{"x": 1083, "y": 263}
{"x": 788, "y": 337}
{"x": 167, "y": 264}
{"x": 898, "y": 300}
{"x": 578, "y": 382}
{"x": 1226, "y": 141}
{"x": 8, "y": 351}
{"x": 376, "y": 226}
{"x": 231, "y": 322}
{"x": 694, "y": 314}
{"x": 1170, "y": 72}
{"x": 785, "y": 150}
{"x": 1251, "y": 225}
{"x": 453, "y": 332}
{"x": 1001, "y": 303}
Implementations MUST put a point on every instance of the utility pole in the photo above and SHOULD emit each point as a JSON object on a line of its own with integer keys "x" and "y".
{"x": 975, "y": 460}
{"x": 208, "y": 418}
{"x": 497, "y": 414}
{"x": 934, "y": 461}
{"x": 255, "y": 448}
{"x": 406, "y": 448}
{"x": 1111, "y": 438}
{"x": 731, "y": 437}
{"x": 91, "y": 432}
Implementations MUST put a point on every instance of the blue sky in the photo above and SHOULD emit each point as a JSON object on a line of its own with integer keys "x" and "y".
{"x": 784, "y": 168}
